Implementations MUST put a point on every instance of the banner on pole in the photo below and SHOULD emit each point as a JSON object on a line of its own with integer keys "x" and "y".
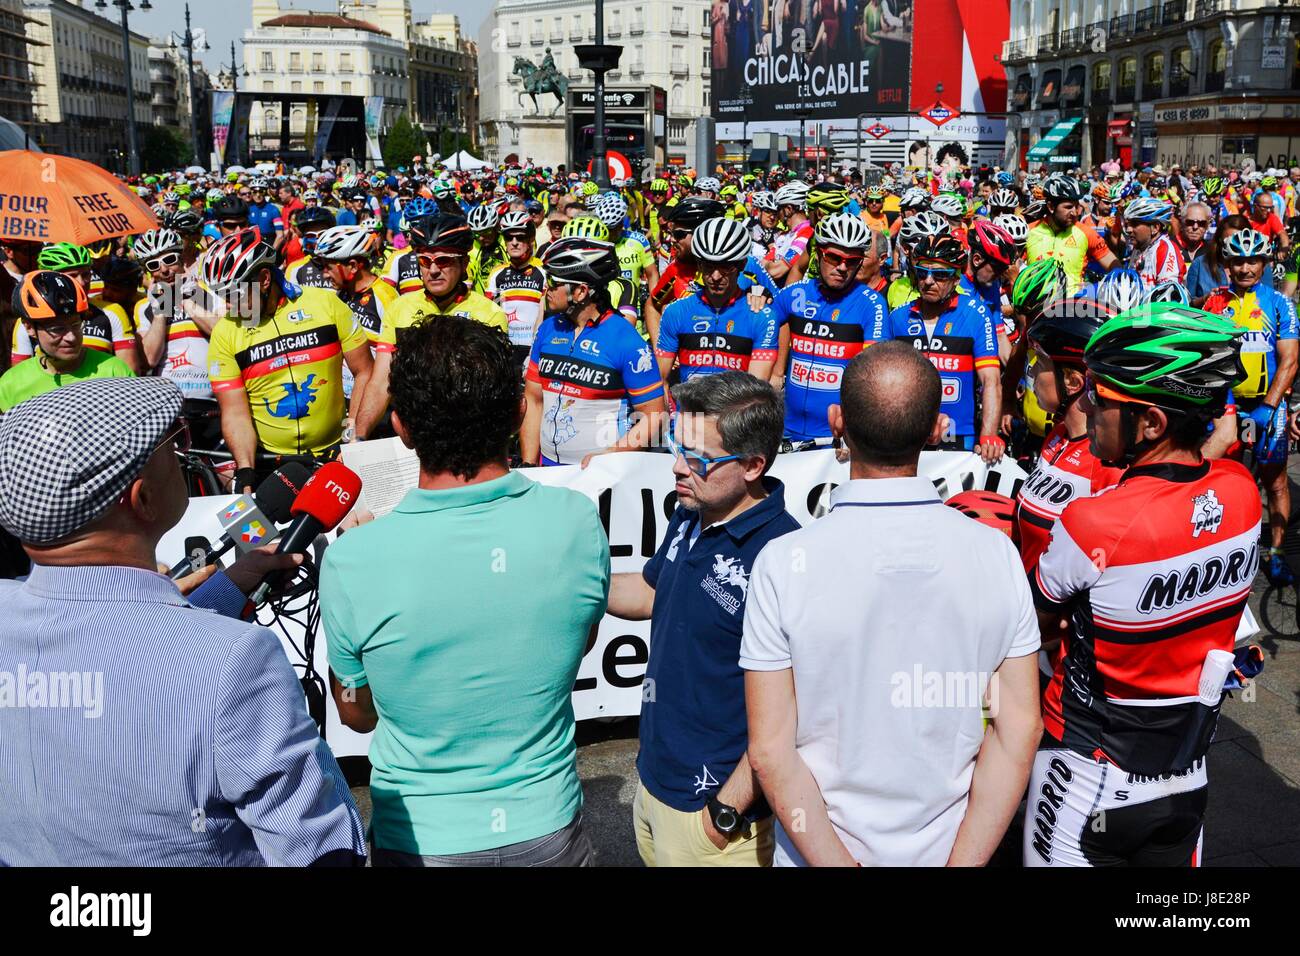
{"x": 223, "y": 105}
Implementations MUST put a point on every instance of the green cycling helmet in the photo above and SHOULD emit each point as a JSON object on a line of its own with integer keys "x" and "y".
{"x": 828, "y": 197}
{"x": 63, "y": 256}
{"x": 1168, "y": 354}
{"x": 659, "y": 186}
{"x": 588, "y": 227}
{"x": 1037, "y": 284}
{"x": 590, "y": 188}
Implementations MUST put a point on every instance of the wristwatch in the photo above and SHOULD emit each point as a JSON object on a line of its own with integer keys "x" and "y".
{"x": 726, "y": 820}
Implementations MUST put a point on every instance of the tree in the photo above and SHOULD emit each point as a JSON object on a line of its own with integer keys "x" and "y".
{"x": 162, "y": 147}
{"x": 403, "y": 142}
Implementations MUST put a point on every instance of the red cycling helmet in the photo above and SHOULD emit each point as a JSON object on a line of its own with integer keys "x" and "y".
{"x": 994, "y": 242}
{"x": 986, "y": 507}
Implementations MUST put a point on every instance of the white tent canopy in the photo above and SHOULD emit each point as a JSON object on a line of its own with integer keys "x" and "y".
{"x": 463, "y": 160}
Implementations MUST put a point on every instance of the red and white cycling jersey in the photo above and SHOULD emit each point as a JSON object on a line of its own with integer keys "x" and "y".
{"x": 1159, "y": 261}
{"x": 789, "y": 246}
{"x": 1154, "y": 573}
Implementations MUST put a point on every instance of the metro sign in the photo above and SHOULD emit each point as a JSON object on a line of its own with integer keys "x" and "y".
{"x": 939, "y": 113}
{"x": 878, "y": 130}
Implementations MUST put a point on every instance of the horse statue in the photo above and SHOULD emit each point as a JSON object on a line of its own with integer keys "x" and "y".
{"x": 541, "y": 79}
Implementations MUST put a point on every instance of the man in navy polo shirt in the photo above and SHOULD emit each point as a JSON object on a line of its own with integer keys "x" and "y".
{"x": 698, "y": 803}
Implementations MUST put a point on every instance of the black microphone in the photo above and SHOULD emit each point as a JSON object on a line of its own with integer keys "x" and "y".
{"x": 273, "y": 499}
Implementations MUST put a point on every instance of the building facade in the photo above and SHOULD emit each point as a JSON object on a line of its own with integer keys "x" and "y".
{"x": 1160, "y": 81}
{"x": 170, "y": 91}
{"x": 163, "y": 79}
{"x": 81, "y": 95}
{"x": 17, "y": 86}
{"x": 444, "y": 82}
{"x": 664, "y": 44}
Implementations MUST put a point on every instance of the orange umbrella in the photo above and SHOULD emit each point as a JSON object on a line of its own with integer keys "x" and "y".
{"x": 48, "y": 198}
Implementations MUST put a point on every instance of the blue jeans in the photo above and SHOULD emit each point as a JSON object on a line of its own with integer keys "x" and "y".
{"x": 568, "y": 846}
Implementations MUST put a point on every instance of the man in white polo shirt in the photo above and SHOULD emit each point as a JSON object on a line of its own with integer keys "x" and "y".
{"x": 872, "y": 638}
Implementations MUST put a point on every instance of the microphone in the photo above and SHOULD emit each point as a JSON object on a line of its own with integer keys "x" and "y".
{"x": 323, "y": 502}
{"x": 269, "y": 506}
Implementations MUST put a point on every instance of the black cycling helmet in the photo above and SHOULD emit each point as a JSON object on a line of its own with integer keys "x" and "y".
{"x": 313, "y": 218}
{"x": 187, "y": 222}
{"x": 120, "y": 271}
{"x": 944, "y": 250}
{"x": 1063, "y": 332}
{"x": 43, "y": 296}
{"x": 693, "y": 210}
{"x": 230, "y": 207}
{"x": 440, "y": 230}
{"x": 577, "y": 259}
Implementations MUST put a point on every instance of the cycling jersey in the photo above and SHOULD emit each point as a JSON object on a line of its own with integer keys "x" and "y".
{"x": 185, "y": 360}
{"x": 291, "y": 367}
{"x": 1268, "y": 317}
{"x": 520, "y": 293}
{"x": 681, "y": 279}
{"x": 1159, "y": 261}
{"x": 789, "y": 246}
{"x": 306, "y": 272}
{"x": 266, "y": 217}
{"x": 104, "y": 328}
{"x": 634, "y": 255}
{"x": 1154, "y": 573}
{"x": 403, "y": 272}
{"x": 590, "y": 379}
{"x": 1071, "y": 249}
{"x": 827, "y": 330}
{"x": 482, "y": 262}
{"x": 414, "y": 306}
{"x": 1067, "y": 470}
{"x": 706, "y": 340}
{"x": 963, "y": 341}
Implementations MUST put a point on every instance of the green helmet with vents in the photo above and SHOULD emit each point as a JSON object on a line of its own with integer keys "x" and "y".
{"x": 587, "y": 227}
{"x": 1168, "y": 354}
{"x": 1038, "y": 284}
{"x": 63, "y": 256}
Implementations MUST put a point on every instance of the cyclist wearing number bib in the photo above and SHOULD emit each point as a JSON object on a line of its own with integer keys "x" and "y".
{"x": 825, "y": 322}
{"x": 1269, "y": 353}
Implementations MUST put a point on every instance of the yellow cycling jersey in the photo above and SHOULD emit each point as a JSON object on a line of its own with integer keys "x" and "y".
{"x": 291, "y": 367}
{"x": 1070, "y": 249}
{"x": 416, "y": 306}
{"x": 634, "y": 255}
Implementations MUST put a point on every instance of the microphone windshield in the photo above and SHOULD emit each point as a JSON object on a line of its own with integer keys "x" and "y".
{"x": 277, "y": 493}
{"x": 329, "y": 494}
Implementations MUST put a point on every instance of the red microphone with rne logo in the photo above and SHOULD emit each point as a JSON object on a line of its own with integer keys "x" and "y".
{"x": 323, "y": 502}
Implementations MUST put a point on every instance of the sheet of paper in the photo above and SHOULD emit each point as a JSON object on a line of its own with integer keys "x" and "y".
{"x": 388, "y": 470}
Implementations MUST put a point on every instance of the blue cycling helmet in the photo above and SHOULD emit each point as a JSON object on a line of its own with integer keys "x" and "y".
{"x": 1246, "y": 244}
{"x": 415, "y": 208}
{"x": 1006, "y": 179}
{"x": 1169, "y": 290}
{"x": 1145, "y": 209}
{"x": 1121, "y": 290}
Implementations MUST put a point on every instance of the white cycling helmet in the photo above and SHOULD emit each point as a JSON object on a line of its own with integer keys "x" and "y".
{"x": 764, "y": 201}
{"x": 921, "y": 225}
{"x": 1144, "y": 209}
{"x": 517, "y": 221}
{"x": 484, "y": 217}
{"x": 341, "y": 243}
{"x": 154, "y": 242}
{"x": 843, "y": 230}
{"x": 721, "y": 240}
{"x": 914, "y": 198}
{"x": 609, "y": 208}
{"x": 708, "y": 184}
{"x": 793, "y": 194}
{"x": 1015, "y": 226}
{"x": 1004, "y": 199}
{"x": 948, "y": 205}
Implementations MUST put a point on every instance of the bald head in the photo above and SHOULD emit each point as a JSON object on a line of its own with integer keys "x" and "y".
{"x": 890, "y": 396}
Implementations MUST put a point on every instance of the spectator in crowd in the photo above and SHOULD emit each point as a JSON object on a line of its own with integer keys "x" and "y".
{"x": 474, "y": 761}
{"x": 850, "y": 623}
{"x": 205, "y": 754}
{"x": 695, "y": 776}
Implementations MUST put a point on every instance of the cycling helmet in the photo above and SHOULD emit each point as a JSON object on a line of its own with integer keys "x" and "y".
{"x": 1066, "y": 326}
{"x": 442, "y": 189}
{"x": 946, "y": 204}
{"x": 155, "y": 242}
{"x": 1268, "y": 182}
{"x": 63, "y": 256}
{"x": 1037, "y": 284}
{"x": 341, "y": 243}
{"x": 484, "y": 217}
{"x": 986, "y": 507}
{"x": 229, "y": 207}
{"x": 1006, "y": 179}
{"x": 843, "y": 230}
{"x": 1279, "y": 274}
{"x": 1169, "y": 290}
{"x": 1246, "y": 244}
{"x": 1004, "y": 199}
{"x": 577, "y": 259}
{"x": 235, "y": 259}
{"x": 941, "y": 250}
{"x": 659, "y": 186}
{"x": 721, "y": 240}
{"x": 610, "y": 208}
{"x": 518, "y": 222}
{"x": 586, "y": 227}
{"x": 1213, "y": 188}
{"x": 921, "y": 225}
{"x": 1059, "y": 188}
{"x": 44, "y": 295}
{"x": 875, "y": 194}
{"x": 187, "y": 222}
{"x": 313, "y": 219}
{"x": 590, "y": 188}
{"x": 1169, "y": 355}
{"x": 828, "y": 197}
{"x": 1130, "y": 189}
{"x": 914, "y": 198}
{"x": 259, "y": 184}
{"x": 793, "y": 194}
{"x": 158, "y": 210}
{"x": 993, "y": 242}
{"x": 1036, "y": 211}
{"x": 1144, "y": 209}
{"x": 763, "y": 201}
{"x": 442, "y": 231}
{"x": 707, "y": 184}
{"x": 418, "y": 206}
{"x": 212, "y": 195}
{"x": 693, "y": 210}
{"x": 1121, "y": 289}
{"x": 1015, "y": 227}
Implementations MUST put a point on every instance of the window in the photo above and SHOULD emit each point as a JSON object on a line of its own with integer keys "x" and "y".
{"x": 267, "y": 86}
{"x": 1101, "y": 78}
{"x": 1154, "y": 79}
{"x": 295, "y": 62}
{"x": 1218, "y": 57}
{"x": 1128, "y": 77}
{"x": 268, "y": 61}
{"x": 1180, "y": 72}
{"x": 345, "y": 62}
{"x": 318, "y": 86}
{"x": 347, "y": 87}
{"x": 706, "y": 96}
{"x": 708, "y": 55}
{"x": 318, "y": 62}
{"x": 295, "y": 86}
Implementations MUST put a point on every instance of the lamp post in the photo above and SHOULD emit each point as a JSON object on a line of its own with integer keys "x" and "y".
{"x": 187, "y": 43}
{"x": 235, "y": 68}
{"x": 133, "y": 145}
{"x": 599, "y": 58}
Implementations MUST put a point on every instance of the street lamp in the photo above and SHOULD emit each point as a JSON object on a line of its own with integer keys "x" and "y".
{"x": 599, "y": 58}
{"x": 235, "y": 70}
{"x": 132, "y": 144}
{"x": 187, "y": 43}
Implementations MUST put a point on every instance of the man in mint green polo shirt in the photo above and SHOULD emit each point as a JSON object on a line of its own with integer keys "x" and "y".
{"x": 456, "y": 623}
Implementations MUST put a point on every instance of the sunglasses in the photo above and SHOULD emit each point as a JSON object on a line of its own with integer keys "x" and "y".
{"x": 697, "y": 463}
{"x": 178, "y": 436}
{"x": 938, "y": 275}
{"x": 555, "y": 226}
{"x": 681, "y": 233}
{"x": 1099, "y": 395}
{"x": 1197, "y": 223}
{"x": 439, "y": 262}
{"x": 158, "y": 262}
{"x": 553, "y": 283}
{"x": 840, "y": 259}
{"x": 233, "y": 224}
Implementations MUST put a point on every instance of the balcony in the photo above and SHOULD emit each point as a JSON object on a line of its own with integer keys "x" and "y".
{"x": 615, "y": 29}
{"x": 1174, "y": 11}
{"x": 1048, "y": 43}
{"x": 1072, "y": 40}
{"x": 557, "y": 36}
{"x": 514, "y": 39}
{"x": 576, "y": 34}
{"x": 1180, "y": 84}
{"x": 536, "y": 39}
{"x": 679, "y": 69}
{"x": 1144, "y": 20}
{"x": 678, "y": 28}
{"x": 636, "y": 69}
{"x": 636, "y": 28}
{"x": 1214, "y": 82}
{"x": 1205, "y": 8}
{"x": 1120, "y": 26}
{"x": 1126, "y": 94}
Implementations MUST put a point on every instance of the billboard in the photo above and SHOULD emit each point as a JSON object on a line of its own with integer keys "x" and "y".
{"x": 816, "y": 59}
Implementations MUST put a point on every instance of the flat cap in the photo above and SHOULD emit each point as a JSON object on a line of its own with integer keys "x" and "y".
{"x": 67, "y": 456}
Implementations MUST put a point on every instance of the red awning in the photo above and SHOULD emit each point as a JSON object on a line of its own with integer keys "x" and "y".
{"x": 1117, "y": 128}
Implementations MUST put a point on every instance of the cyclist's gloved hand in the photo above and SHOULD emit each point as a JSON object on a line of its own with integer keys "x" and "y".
{"x": 245, "y": 480}
{"x": 1270, "y": 433}
{"x": 1247, "y": 663}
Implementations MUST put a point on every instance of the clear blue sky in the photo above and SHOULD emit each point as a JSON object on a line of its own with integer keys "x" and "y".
{"x": 226, "y": 20}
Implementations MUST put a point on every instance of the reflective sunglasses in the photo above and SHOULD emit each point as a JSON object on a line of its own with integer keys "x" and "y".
{"x": 697, "y": 463}
{"x": 440, "y": 262}
{"x": 938, "y": 275}
{"x": 840, "y": 259}
{"x": 681, "y": 233}
{"x": 160, "y": 261}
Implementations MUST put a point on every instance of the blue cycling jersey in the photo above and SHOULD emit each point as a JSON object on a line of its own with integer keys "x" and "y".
{"x": 265, "y": 217}
{"x": 960, "y": 342}
{"x": 706, "y": 340}
{"x": 827, "y": 329}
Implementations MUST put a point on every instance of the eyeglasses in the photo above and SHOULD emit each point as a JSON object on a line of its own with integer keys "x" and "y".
{"x": 697, "y": 463}
{"x": 179, "y": 436}
{"x": 162, "y": 261}
{"x": 58, "y": 330}
{"x": 937, "y": 275}
{"x": 1196, "y": 223}
{"x": 840, "y": 259}
{"x": 681, "y": 233}
{"x": 439, "y": 262}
